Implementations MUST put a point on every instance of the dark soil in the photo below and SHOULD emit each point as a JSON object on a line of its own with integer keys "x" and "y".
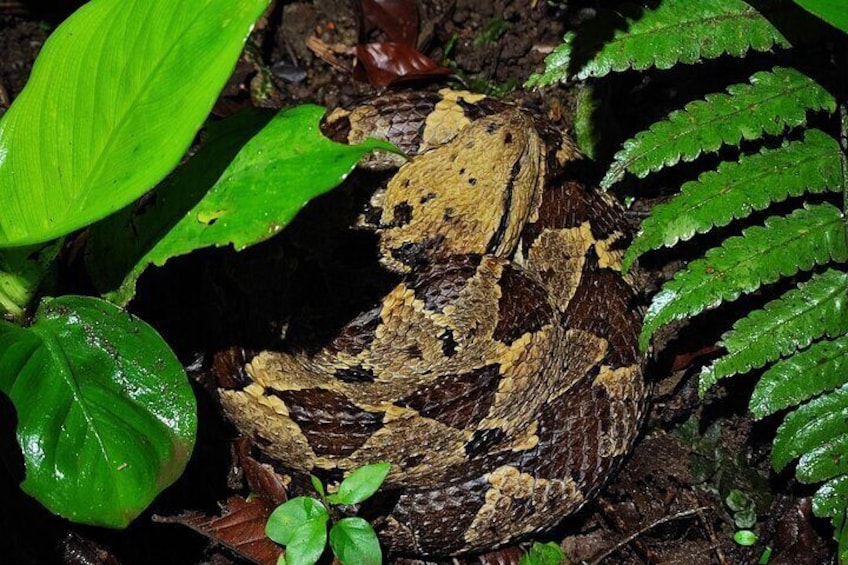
{"x": 668, "y": 503}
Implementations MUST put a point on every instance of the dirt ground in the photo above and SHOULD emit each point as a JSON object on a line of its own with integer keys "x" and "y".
{"x": 667, "y": 505}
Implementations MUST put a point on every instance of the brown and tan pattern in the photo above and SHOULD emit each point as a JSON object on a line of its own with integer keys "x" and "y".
{"x": 501, "y": 378}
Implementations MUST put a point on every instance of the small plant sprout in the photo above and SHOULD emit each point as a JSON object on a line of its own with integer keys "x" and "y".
{"x": 300, "y": 524}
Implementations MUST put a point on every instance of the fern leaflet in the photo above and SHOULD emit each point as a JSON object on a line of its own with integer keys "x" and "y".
{"x": 825, "y": 461}
{"x": 768, "y": 104}
{"x": 831, "y": 500}
{"x": 810, "y": 426}
{"x": 737, "y": 189}
{"x": 816, "y": 308}
{"x": 811, "y": 235}
{"x": 677, "y": 31}
{"x": 821, "y": 368}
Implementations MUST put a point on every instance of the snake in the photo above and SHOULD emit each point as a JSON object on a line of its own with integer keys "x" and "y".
{"x": 501, "y": 377}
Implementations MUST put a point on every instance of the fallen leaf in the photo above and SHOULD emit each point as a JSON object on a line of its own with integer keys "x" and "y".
{"x": 389, "y": 63}
{"x": 240, "y": 527}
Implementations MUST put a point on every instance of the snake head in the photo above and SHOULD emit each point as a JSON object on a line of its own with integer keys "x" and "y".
{"x": 473, "y": 194}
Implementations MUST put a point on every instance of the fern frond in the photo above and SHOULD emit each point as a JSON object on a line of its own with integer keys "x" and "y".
{"x": 677, "y": 31}
{"x": 811, "y": 426}
{"x": 735, "y": 190}
{"x": 822, "y": 367}
{"x": 769, "y": 103}
{"x": 816, "y": 308}
{"x": 825, "y": 461}
{"x": 811, "y": 235}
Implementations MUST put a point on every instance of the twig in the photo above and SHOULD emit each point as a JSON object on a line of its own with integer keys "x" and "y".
{"x": 327, "y": 53}
{"x": 711, "y": 532}
{"x": 663, "y": 520}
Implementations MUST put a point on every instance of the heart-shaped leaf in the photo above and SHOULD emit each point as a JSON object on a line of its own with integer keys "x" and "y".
{"x": 114, "y": 100}
{"x": 106, "y": 416}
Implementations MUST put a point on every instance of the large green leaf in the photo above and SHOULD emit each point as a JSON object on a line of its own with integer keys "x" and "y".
{"x": 737, "y": 189}
{"x": 106, "y": 416}
{"x": 809, "y": 236}
{"x": 768, "y": 104}
{"x": 834, "y": 12}
{"x": 253, "y": 173}
{"x": 676, "y": 31}
{"x": 113, "y": 102}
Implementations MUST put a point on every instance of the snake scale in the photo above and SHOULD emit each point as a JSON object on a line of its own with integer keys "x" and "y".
{"x": 501, "y": 377}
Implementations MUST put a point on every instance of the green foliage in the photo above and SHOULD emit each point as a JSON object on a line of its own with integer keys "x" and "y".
{"x": 543, "y": 554}
{"x": 254, "y": 172}
{"x": 300, "y": 524}
{"x": 802, "y": 333}
{"x": 809, "y": 236}
{"x": 745, "y": 538}
{"x": 812, "y": 165}
{"x": 791, "y": 322}
{"x": 831, "y": 11}
{"x": 676, "y": 31}
{"x": 771, "y": 102}
{"x": 104, "y": 409}
{"x": 820, "y": 368}
{"x": 354, "y": 542}
{"x": 106, "y": 417}
{"x": 22, "y": 271}
{"x": 360, "y": 484}
{"x": 114, "y": 100}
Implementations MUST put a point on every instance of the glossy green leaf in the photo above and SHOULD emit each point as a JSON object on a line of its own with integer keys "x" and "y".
{"x": 253, "y": 173}
{"x": 308, "y": 542}
{"x": 834, "y": 12}
{"x": 543, "y": 554}
{"x": 106, "y": 416}
{"x": 831, "y": 500}
{"x": 825, "y": 461}
{"x": 360, "y": 484}
{"x": 736, "y": 190}
{"x": 770, "y": 103}
{"x": 354, "y": 542}
{"x": 809, "y": 236}
{"x": 114, "y": 101}
{"x": 676, "y": 31}
{"x": 816, "y": 308}
{"x": 811, "y": 426}
{"x": 288, "y": 517}
{"x": 821, "y": 368}
{"x": 22, "y": 271}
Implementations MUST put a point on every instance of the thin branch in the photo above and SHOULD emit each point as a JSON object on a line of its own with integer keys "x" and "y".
{"x": 663, "y": 520}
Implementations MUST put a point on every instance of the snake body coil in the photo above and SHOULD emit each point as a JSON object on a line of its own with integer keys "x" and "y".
{"x": 501, "y": 378}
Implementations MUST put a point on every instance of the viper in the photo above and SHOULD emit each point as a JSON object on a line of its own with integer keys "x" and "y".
{"x": 501, "y": 377}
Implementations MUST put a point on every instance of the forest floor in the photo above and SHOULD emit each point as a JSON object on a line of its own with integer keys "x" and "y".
{"x": 667, "y": 505}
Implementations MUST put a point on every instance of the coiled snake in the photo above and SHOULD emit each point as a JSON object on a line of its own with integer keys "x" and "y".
{"x": 501, "y": 378}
